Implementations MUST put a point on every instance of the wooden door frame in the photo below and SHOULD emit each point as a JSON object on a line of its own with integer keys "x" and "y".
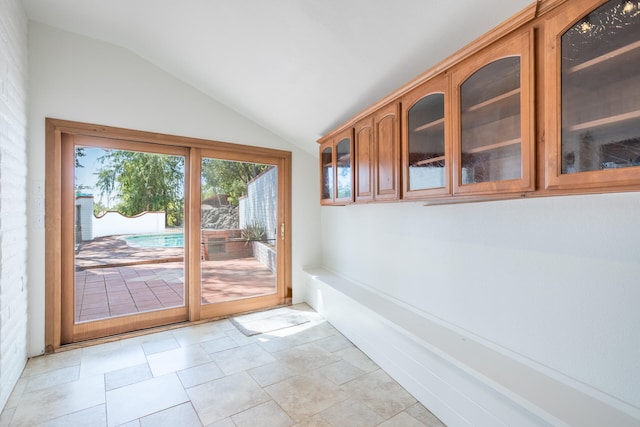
{"x": 57, "y": 129}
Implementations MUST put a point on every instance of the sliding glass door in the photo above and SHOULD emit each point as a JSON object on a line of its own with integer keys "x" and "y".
{"x": 146, "y": 230}
{"x": 239, "y": 233}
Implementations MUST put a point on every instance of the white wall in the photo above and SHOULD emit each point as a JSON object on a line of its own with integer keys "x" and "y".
{"x": 553, "y": 282}
{"x": 13, "y": 195}
{"x": 81, "y": 79}
{"x": 114, "y": 223}
{"x": 260, "y": 203}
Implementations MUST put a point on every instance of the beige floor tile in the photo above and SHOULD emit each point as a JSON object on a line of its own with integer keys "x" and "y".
{"x": 227, "y": 422}
{"x": 212, "y": 374}
{"x": 306, "y": 357}
{"x": 52, "y": 378}
{"x": 198, "y": 334}
{"x": 241, "y": 339}
{"x": 402, "y": 420}
{"x": 381, "y": 393}
{"x": 268, "y": 414}
{"x": 6, "y": 417}
{"x": 315, "y": 421}
{"x": 134, "y": 401}
{"x": 242, "y": 358}
{"x": 160, "y": 345}
{"x": 334, "y": 343}
{"x": 422, "y": 414}
{"x": 182, "y": 415}
{"x": 224, "y": 325}
{"x": 305, "y": 395}
{"x": 353, "y": 413}
{"x": 296, "y": 336}
{"x": 222, "y": 398}
{"x": 53, "y": 402}
{"x": 127, "y": 376}
{"x": 272, "y": 373}
{"x": 52, "y": 362}
{"x": 200, "y": 374}
{"x": 219, "y": 344}
{"x": 113, "y": 360}
{"x": 16, "y": 394}
{"x": 91, "y": 417}
{"x": 177, "y": 359}
{"x": 134, "y": 423}
{"x": 340, "y": 372}
{"x": 102, "y": 348}
{"x": 358, "y": 359}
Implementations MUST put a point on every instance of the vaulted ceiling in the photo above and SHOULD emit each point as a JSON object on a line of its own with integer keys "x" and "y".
{"x": 297, "y": 67}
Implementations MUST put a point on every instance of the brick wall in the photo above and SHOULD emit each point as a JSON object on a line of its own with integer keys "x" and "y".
{"x": 13, "y": 194}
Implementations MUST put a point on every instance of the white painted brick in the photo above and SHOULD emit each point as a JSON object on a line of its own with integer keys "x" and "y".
{"x": 13, "y": 194}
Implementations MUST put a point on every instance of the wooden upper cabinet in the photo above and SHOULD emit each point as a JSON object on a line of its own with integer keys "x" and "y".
{"x": 592, "y": 95}
{"x": 364, "y": 160}
{"x": 493, "y": 119}
{"x": 386, "y": 128}
{"x": 336, "y": 165}
{"x": 426, "y": 158}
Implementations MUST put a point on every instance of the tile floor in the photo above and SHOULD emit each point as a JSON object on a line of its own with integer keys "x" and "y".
{"x": 213, "y": 375}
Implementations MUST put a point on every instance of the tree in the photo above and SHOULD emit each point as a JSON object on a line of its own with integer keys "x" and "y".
{"x": 144, "y": 182}
{"x": 229, "y": 177}
{"x": 79, "y": 153}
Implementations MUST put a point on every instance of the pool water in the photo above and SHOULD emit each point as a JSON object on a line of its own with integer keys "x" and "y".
{"x": 164, "y": 240}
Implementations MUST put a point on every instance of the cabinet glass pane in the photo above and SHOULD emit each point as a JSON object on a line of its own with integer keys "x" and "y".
{"x": 601, "y": 89}
{"x": 491, "y": 125}
{"x": 426, "y": 143}
{"x": 327, "y": 173}
{"x": 343, "y": 164}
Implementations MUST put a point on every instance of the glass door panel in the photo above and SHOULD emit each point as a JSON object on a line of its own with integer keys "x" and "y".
{"x": 600, "y": 103}
{"x": 326, "y": 163}
{"x": 238, "y": 230}
{"x": 426, "y": 144}
{"x": 129, "y": 232}
{"x": 491, "y": 123}
{"x": 343, "y": 169}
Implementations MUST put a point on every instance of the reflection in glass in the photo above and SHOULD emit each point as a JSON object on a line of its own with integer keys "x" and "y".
{"x": 327, "y": 173}
{"x": 600, "y": 100}
{"x": 491, "y": 125}
{"x": 343, "y": 165}
{"x": 426, "y": 143}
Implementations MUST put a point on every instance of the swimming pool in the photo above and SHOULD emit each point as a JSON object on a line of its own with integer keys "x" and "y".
{"x": 164, "y": 240}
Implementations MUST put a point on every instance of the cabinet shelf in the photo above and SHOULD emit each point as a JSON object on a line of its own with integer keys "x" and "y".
{"x": 428, "y": 161}
{"x": 493, "y": 146}
{"x": 605, "y": 121}
{"x": 429, "y": 125}
{"x": 494, "y": 100}
{"x": 606, "y": 57}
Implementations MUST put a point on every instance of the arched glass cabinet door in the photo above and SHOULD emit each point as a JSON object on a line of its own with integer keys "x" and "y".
{"x": 493, "y": 121}
{"x": 425, "y": 144}
{"x": 594, "y": 62}
{"x": 326, "y": 166}
{"x": 336, "y": 165}
{"x": 344, "y": 175}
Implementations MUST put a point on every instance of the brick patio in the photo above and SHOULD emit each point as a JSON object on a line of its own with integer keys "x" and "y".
{"x": 114, "y": 279}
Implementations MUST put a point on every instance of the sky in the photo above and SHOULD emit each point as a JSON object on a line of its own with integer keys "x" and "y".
{"x": 86, "y": 175}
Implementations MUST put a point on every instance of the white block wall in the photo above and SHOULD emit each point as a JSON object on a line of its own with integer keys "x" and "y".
{"x": 13, "y": 195}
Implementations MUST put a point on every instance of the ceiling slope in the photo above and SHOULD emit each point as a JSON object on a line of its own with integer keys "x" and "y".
{"x": 296, "y": 67}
